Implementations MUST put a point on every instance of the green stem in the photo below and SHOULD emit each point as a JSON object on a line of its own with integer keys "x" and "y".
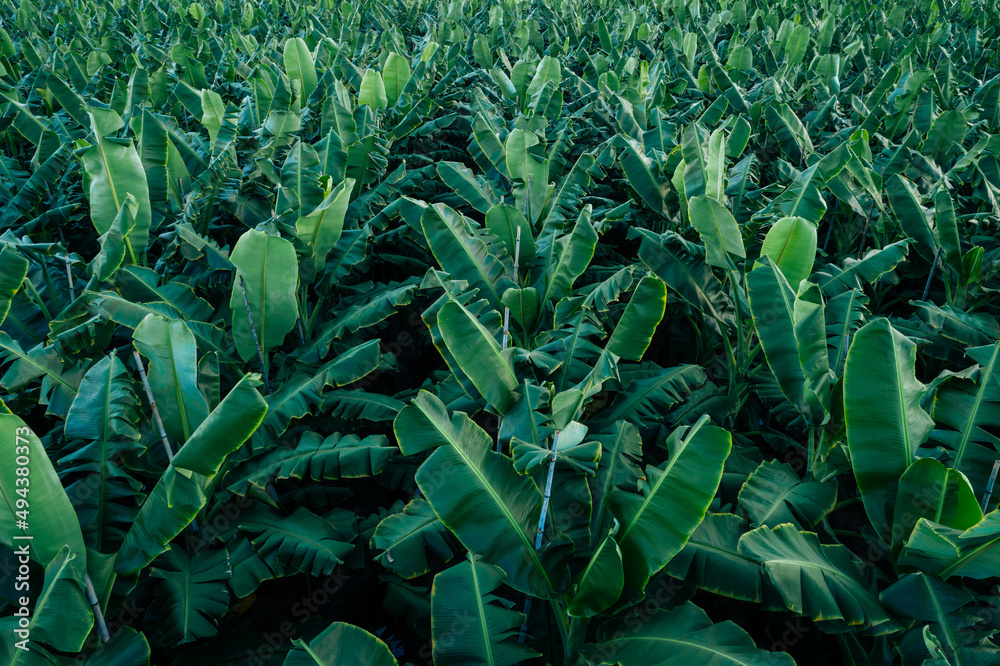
{"x": 845, "y": 650}
{"x": 312, "y": 316}
{"x": 577, "y": 635}
{"x": 37, "y": 298}
{"x": 740, "y": 342}
{"x": 48, "y": 278}
{"x": 811, "y": 451}
{"x": 730, "y": 361}
{"x": 861, "y": 649}
{"x": 564, "y": 630}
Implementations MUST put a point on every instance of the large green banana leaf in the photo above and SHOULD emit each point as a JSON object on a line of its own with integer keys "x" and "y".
{"x": 114, "y": 242}
{"x": 885, "y": 422}
{"x": 658, "y": 522}
{"x": 303, "y": 392}
{"x": 372, "y": 91}
{"x": 855, "y": 273}
{"x": 169, "y": 507}
{"x": 224, "y": 430}
{"x": 930, "y": 490}
{"x": 598, "y": 586}
{"x": 173, "y": 372}
{"x": 810, "y": 337}
{"x": 301, "y": 542}
{"x": 270, "y": 273}
{"x": 60, "y": 617}
{"x": 844, "y": 315}
{"x": 774, "y": 494}
{"x": 913, "y": 218}
{"x": 803, "y": 197}
{"x": 340, "y": 643}
{"x": 944, "y": 551}
{"x": 711, "y": 560}
{"x": 180, "y": 494}
{"x": 475, "y": 193}
{"x": 299, "y": 66}
{"x": 322, "y": 227}
{"x": 684, "y": 635}
{"x": 463, "y": 251}
{"x": 934, "y": 605}
{"x": 638, "y": 323}
{"x": 648, "y": 393}
{"x": 621, "y": 450}
{"x": 817, "y": 580}
{"x": 13, "y": 270}
{"x": 529, "y": 169}
{"x": 717, "y": 228}
{"x": 567, "y": 256}
{"x": 967, "y": 406}
{"x": 470, "y": 625}
{"x": 127, "y": 647}
{"x": 477, "y": 493}
{"x": 791, "y": 245}
{"x": 503, "y": 221}
{"x": 692, "y": 279}
{"x": 315, "y": 458}
{"x": 637, "y": 168}
{"x": 395, "y": 75}
{"x": 300, "y": 190}
{"x": 695, "y": 173}
{"x": 192, "y": 593}
{"x": 47, "y": 515}
{"x": 411, "y": 539}
{"x": 59, "y": 383}
{"x": 105, "y": 414}
{"x": 478, "y": 355}
{"x": 116, "y": 171}
{"x": 772, "y": 304}
{"x": 786, "y": 126}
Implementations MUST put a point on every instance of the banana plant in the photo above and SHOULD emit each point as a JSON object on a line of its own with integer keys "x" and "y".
{"x": 541, "y": 333}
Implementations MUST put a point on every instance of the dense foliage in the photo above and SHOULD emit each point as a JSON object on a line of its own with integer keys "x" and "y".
{"x": 572, "y": 332}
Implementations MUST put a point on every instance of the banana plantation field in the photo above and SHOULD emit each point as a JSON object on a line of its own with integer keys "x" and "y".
{"x": 495, "y": 332}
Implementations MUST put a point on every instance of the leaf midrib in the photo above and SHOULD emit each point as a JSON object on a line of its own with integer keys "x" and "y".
{"x": 529, "y": 546}
{"x": 983, "y": 383}
{"x": 949, "y": 633}
{"x": 663, "y": 477}
{"x": 483, "y": 624}
{"x": 699, "y": 646}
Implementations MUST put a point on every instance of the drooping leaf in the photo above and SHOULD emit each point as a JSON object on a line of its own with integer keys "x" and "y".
{"x": 816, "y": 580}
{"x": 717, "y": 228}
{"x": 192, "y": 593}
{"x": 411, "y": 539}
{"x": 116, "y": 171}
{"x": 658, "y": 522}
{"x": 470, "y": 624}
{"x": 224, "y": 429}
{"x": 171, "y": 350}
{"x": 338, "y": 643}
{"x": 683, "y": 635}
{"x": 774, "y": 494}
{"x": 476, "y": 492}
{"x": 478, "y": 355}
